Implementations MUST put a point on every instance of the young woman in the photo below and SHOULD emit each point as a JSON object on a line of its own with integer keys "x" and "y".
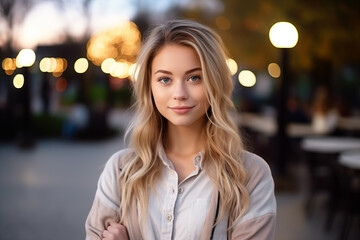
{"x": 186, "y": 174}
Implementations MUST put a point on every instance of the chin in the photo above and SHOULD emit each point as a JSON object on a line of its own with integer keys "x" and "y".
{"x": 180, "y": 123}
{"x": 185, "y": 122}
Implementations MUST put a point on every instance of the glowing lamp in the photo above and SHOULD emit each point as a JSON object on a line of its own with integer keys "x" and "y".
{"x": 283, "y": 35}
{"x": 25, "y": 58}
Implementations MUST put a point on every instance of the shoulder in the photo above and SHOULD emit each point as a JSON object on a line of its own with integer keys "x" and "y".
{"x": 108, "y": 184}
{"x": 260, "y": 186}
{"x": 259, "y": 177}
{"x": 113, "y": 168}
{"x": 119, "y": 159}
{"x": 253, "y": 162}
{"x": 255, "y": 166}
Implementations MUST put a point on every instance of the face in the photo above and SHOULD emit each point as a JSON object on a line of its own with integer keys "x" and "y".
{"x": 177, "y": 85}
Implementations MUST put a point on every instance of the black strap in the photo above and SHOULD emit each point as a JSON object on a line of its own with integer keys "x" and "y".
{"x": 216, "y": 215}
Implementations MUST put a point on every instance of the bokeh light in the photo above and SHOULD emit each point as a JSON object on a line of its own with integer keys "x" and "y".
{"x": 25, "y": 58}
{"x": 45, "y": 65}
{"x": 274, "y": 70}
{"x": 121, "y": 70}
{"x": 107, "y": 65}
{"x": 18, "y": 81}
{"x": 61, "y": 65}
{"x": 247, "y": 78}
{"x": 56, "y": 66}
{"x": 117, "y": 69}
{"x": 9, "y": 65}
{"x": 133, "y": 71}
{"x": 81, "y": 65}
{"x": 121, "y": 43}
{"x": 232, "y": 66}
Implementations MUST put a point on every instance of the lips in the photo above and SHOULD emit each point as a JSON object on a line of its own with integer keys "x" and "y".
{"x": 181, "y": 109}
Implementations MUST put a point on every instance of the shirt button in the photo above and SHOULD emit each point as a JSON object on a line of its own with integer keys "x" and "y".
{"x": 180, "y": 190}
{"x": 172, "y": 190}
{"x": 168, "y": 217}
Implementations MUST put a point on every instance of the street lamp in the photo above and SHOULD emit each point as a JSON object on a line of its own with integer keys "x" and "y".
{"x": 25, "y": 59}
{"x": 283, "y": 35}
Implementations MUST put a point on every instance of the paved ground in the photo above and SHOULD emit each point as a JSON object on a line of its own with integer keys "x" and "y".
{"x": 46, "y": 192}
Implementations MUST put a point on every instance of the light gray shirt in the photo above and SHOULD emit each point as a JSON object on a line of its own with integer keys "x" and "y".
{"x": 181, "y": 210}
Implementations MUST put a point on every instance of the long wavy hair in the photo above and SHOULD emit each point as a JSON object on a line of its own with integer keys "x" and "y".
{"x": 223, "y": 149}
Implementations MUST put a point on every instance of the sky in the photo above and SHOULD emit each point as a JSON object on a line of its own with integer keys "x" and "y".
{"x": 48, "y": 23}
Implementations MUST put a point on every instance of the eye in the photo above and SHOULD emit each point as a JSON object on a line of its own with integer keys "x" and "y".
{"x": 194, "y": 78}
{"x": 164, "y": 80}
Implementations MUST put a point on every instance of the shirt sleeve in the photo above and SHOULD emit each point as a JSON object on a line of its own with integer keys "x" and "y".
{"x": 259, "y": 220}
{"x": 106, "y": 204}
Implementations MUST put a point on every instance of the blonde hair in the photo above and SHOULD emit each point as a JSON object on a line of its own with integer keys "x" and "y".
{"x": 223, "y": 150}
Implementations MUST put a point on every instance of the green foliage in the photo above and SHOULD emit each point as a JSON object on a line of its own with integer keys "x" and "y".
{"x": 97, "y": 93}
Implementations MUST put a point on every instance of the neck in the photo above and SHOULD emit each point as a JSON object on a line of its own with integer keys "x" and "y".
{"x": 184, "y": 140}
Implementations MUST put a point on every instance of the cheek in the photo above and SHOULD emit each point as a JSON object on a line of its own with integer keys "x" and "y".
{"x": 202, "y": 98}
{"x": 155, "y": 94}
{"x": 206, "y": 106}
{"x": 158, "y": 98}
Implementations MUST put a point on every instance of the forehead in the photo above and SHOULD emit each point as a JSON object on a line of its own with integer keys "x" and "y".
{"x": 175, "y": 56}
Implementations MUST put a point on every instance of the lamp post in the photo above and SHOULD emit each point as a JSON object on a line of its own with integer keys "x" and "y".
{"x": 283, "y": 35}
{"x": 25, "y": 59}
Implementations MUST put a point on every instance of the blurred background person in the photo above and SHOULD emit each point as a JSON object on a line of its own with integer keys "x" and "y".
{"x": 323, "y": 111}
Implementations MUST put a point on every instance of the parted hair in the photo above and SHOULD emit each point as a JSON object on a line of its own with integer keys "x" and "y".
{"x": 223, "y": 146}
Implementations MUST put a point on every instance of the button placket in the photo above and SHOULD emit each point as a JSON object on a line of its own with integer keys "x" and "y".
{"x": 169, "y": 204}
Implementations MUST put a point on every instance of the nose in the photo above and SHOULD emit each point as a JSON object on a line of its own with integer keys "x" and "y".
{"x": 180, "y": 91}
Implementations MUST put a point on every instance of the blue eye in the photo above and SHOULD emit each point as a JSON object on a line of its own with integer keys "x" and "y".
{"x": 194, "y": 78}
{"x": 164, "y": 80}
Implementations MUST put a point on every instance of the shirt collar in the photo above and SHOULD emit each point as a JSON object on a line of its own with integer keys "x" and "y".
{"x": 163, "y": 157}
{"x": 198, "y": 159}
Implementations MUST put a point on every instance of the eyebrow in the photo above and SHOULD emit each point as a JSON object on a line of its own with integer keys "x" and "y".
{"x": 187, "y": 72}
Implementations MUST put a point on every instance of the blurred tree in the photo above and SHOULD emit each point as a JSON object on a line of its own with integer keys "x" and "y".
{"x": 11, "y": 12}
{"x": 243, "y": 25}
{"x": 84, "y": 6}
{"x": 327, "y": 30}
{"x": 14, "y": 12}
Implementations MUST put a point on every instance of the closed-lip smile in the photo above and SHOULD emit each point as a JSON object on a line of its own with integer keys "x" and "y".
{"x": 181, "y": 109}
